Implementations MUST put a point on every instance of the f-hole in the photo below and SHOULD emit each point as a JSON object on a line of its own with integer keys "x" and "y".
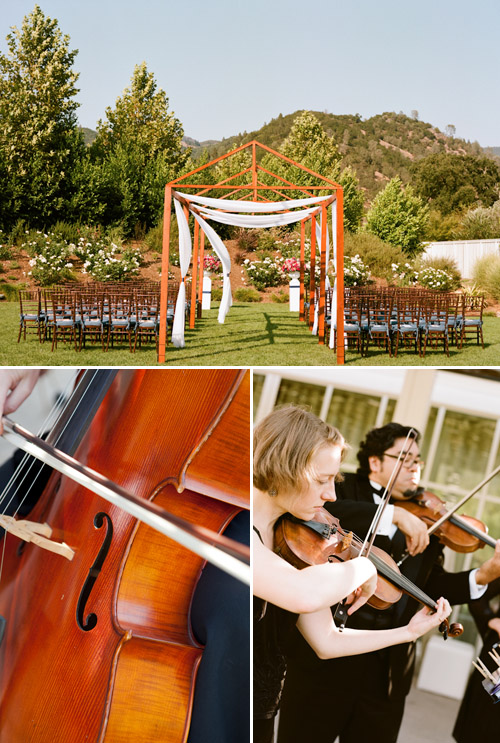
{"x": 88, "y": 622}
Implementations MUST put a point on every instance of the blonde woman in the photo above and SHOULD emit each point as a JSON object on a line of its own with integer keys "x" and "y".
{"x": 297, "y": 459}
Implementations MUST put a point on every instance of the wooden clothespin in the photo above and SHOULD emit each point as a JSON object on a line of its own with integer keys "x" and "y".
{"x": 38, "y": 534}
{"x": 483, "y": 670}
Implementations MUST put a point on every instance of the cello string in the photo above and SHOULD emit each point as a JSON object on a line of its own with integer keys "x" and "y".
{"x": 58, "y": 409}
{"x": 230, "y": 556}
{"x": 51, "y": 420}
{"x": 28, "y": 463}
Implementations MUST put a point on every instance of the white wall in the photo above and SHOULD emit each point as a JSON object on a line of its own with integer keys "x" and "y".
{"x": 464, "y": 252}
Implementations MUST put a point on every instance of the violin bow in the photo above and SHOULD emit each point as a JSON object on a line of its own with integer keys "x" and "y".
{"x": 340, "y": 614}
{"x": 224, "y": 553}
{"x": 372, "y": 531}
{"x": 471, "y": 530}
{"x": 461, "y": 503}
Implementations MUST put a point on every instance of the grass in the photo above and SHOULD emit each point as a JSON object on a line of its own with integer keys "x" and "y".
{"x": 252, "y": 335}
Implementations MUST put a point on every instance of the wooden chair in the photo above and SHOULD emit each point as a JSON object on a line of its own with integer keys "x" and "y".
{"x": 407, "y": 327}
{"x": 379, "y": 329}
{"x": 471, "y": 320}
{"x": 119, "y": 321}
{"x": 90, "y": 313}
{"x": 146, "y": 327}
{"x": 31, "y": 317}
{"x": 436, "y": 323}
{"x": 64, "y": 325}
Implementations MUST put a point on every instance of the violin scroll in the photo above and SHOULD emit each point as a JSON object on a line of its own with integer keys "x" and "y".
{"x": 454, "y": 629}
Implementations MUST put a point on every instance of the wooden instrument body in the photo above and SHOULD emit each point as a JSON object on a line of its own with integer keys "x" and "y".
{"x": 130, "y": 677}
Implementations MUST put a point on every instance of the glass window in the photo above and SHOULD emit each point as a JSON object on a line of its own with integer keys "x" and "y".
{"x": 493, "y": 487}
{"x": 354, "y": 415}
{"x": 389, "y": 411}
{"x": 462, "y": 451}
{"x": 301, "y": 393}
{"x": 258, "y": 383}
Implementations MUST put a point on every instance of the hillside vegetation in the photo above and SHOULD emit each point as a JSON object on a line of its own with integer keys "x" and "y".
{"x": 378, "y": 148}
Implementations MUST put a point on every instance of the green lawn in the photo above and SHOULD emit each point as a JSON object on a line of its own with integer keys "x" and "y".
{"x": 253, "y": 335}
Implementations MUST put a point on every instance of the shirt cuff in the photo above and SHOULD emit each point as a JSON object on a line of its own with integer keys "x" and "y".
{"x": 386, "y": 528}
{"x": 476, "y": 591}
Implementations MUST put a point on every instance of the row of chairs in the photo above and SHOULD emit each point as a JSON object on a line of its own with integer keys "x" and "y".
{"x": 94, "y": 313}
{"x": 414, "y": 319}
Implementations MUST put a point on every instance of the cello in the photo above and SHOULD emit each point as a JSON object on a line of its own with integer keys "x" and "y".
{"x": 100, "y": 648}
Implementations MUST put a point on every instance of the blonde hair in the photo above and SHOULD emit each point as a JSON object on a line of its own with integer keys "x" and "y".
{"x": 284, "y": 444}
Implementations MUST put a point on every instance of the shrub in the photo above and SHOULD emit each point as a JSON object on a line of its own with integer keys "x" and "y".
{"x": 481, "y": 223}
{"x": 444, "y": 264}
{"x": 154, "y": 238}
{"x": 244, "y": 294}
{"x": 442, "y": 226}
{"x": 5, "y": 249}
{"x": 246, "y": 240}
{"x": 404, "y": 274}
{"x": 266, "y": 239}
{"x": 217, "y": 295}
{"x": 51, "y": 259}
{"x": 398, "y": 217}
{"x": 435, "y": 278}
{"x": 18, "y": 233}
{"x": 264, "y": 273}
{"x": 11, "y": 292}
{"x": 66, "y": 231}
{"x": 378, "y": 255}
{"x": 356, "y": 273}
{"x": 281, "y": 297}
{"x": 486, "y": 274}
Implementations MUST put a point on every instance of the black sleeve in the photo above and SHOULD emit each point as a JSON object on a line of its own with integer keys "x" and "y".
{"x": 438, "y": 582}
{"x": 357, "y": 517}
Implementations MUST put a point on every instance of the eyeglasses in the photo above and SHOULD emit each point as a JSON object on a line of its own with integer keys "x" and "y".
{"x": 407, "y": 463}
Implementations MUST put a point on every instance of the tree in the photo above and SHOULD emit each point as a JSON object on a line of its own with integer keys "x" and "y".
{"x": 453, "y": 182}
{"x": 39, "y": 138}
{"x": 309, "y": 145}
{"x": 141, "y": 144}
{"x": 481, "y": 223}
{"x": 353, "y": 200}
{"x": 398, "y": 217}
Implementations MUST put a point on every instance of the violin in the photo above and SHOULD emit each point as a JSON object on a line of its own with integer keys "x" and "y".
{"x": 99, "y": 647}
{"x": 459, "y": 533}
{"x": 305, "y": 543}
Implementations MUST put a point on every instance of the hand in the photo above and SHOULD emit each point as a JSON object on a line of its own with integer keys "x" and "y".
{"x": 495, "y": 625}
{"x": 15, "y": 386}
{"x": 490, "y": 569}
{"x": 415, "y": 530}
{"x": 426, "y": 619}
{"x": 361, "y": 595}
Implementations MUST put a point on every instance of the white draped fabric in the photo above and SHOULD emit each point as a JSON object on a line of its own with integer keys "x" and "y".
{"x": 224, "y": 257}
{"x": 248, "y": 220}
{"x": 185, "y": 250}
{"x": 252, "y": 206}
{"x": 255, "y": 221}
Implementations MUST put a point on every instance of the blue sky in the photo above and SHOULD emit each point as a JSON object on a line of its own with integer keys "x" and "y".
{"x": 228, "y": 66}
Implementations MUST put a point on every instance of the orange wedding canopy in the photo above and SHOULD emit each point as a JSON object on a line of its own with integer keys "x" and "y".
{"x": 254, "y": 197}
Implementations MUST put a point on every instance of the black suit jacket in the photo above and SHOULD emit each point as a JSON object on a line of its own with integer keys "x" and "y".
{"x": 355, "y": 509}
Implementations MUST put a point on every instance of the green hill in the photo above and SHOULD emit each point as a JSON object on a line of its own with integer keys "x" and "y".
{"x": 88, "y": 135}
{"x": 378, "y": 148}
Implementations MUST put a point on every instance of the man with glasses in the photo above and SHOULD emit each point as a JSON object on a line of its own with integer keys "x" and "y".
{"x": 362, "y": 697}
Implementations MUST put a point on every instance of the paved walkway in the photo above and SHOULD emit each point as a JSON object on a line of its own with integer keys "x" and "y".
{"x": 428, "y": 718}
